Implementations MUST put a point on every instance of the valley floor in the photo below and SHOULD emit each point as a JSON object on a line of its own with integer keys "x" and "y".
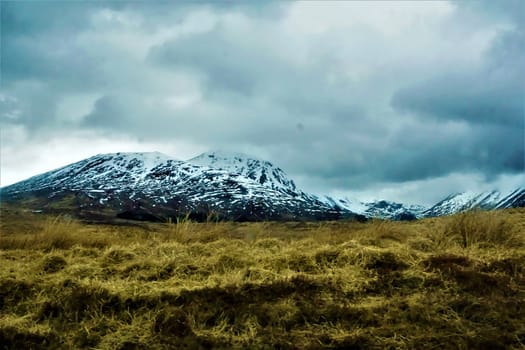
{"x": 446, "y": 283}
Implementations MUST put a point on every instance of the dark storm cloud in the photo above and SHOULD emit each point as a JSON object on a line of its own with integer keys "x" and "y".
{"x": 492, "y": 94}
{"x": 37, "y": 39}
{"x": 103, "y": 110}
{"x": 47, "y": 47}
{"x": 229, "y": 60}
{"x": 25, "y": 18}
{"x": 479, "y": 147}
{"x": 225, "y": 63}
{"x": 407, "y": 158}
{"x": 339, "y": 101}
{"x": 489, "y": 98}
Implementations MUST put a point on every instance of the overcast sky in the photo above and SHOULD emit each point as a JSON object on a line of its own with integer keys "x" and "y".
{"x": 406, "y": 101}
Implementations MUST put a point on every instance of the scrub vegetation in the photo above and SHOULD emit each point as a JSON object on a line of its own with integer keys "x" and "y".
{"x": 454, "y": 282}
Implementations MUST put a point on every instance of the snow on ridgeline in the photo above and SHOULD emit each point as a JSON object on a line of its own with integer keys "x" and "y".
{"x": 233, "y": 180}
{"x": 459, "y": 202}
{"x": 380, "y": 209}
{"x": 258, "y": 170}
{"x": 167, "y": 186}
{"x": 131, "y": 166}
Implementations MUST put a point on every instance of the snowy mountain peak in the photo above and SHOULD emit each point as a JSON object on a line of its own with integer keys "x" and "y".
{"x": 109, "y": 170}
{"x": 261, "y": 171}
{"x": 219, "y": 156}
{"x": 459, "y": 202}
{"x": 160, "y": 186}
{"x": 234, "y": 185}
{"x": 149, "y": 160}
{"x": 380, "y": 209}
{"x": 514, "y": 199}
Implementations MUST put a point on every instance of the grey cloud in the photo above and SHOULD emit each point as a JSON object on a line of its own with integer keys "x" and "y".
{"x": 227, "y": 59}
{"x": 493, "y": 92}
{"x": 107, "y": 112}
{"x": 490, "y": 150}
{"x": 54, "y": 60}
{"x": 166, "y": 12}
{"x": 225, "y": 65}
{"x": 37, "y": 39}
{"x": 333, "y": 130}
{"x": 239, "y": 72}
{"x": 21, "y": 18}
{"x": 401, "y": 158}
{"x": 490, "y": 94}
{"x": 40, "y": 39}
{"x": 488, "y": 10}
{"x": 43, "y": 46}
{"x": 487, "y": 97}
{"x": 9, "y": 109}
{"x": 33, "y": 104}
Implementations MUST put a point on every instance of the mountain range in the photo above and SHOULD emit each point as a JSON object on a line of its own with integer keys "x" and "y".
{"x": 153, "y": 186}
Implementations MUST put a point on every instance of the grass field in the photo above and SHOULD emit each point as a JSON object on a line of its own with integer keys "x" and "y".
{"x": 446, "y": 283}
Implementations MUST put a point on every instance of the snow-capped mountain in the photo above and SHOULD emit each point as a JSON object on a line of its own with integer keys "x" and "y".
{"x": 102, "y": 172}
{"x": 258, "y": 170}
{"x": 514, "y": 199}
{"x": 164, "y": 187}
{"x": 380, "y": 209}
{"x": 391, "y": 210}
{"x": 155, "y": 186}
{"x": 261, "y": 171}
{"x": 459, "y": 202}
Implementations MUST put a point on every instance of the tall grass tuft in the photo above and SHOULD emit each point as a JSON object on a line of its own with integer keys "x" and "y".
{"x": 58, "y": 232}
{"x": 181, "y": 230}
{"x": 481, "y": 228}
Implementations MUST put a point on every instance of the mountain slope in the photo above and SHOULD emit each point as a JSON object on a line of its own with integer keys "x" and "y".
{"x": 261, "y": 171}
{"x": 459, "y": 202}
{"x": 159, "y": 186}
{"x": 380, "y": 209}
{"x": 514, "y": 199}
{"x": 154, "y": 186}
{"x": 275, "y": 178}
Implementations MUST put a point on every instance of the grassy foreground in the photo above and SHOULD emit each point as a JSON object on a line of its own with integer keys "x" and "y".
{"x": 448, "y": 283}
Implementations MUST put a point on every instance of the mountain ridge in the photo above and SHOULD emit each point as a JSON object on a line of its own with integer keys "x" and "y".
{"x": 134, "y": 182}
{"x": 256, "y": 169}
{"x": 469, "y": 200}
{"x": 234, "y": 186}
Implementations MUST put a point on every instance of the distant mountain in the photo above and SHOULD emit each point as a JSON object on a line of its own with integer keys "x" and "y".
{"x": 380, "y": 209}
{"x": 514, "y": 199}
{"x": 275, "y": 178}
{"x": 395, "y": 211}
{"x": 459, "y": 202}
{"x": 232, "y": 186}
{"x": 153, "y": 185}
{"x": 260, "y": 171}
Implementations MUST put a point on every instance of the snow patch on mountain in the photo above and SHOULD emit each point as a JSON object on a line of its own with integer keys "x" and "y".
{"x": 459, "y": 202}
{"x": 515, "y": 199}
{"x": 347, "y": 203}
{"x": 233, "y": 184}
{"x": 121, "y": 179}
{"x": 380, "y": 209}
{"x": 258, "y": 170}
{"x": 103, "y": 171}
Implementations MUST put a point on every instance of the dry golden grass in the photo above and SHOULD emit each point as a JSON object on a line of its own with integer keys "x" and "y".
{"x": 447, "y": 283}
